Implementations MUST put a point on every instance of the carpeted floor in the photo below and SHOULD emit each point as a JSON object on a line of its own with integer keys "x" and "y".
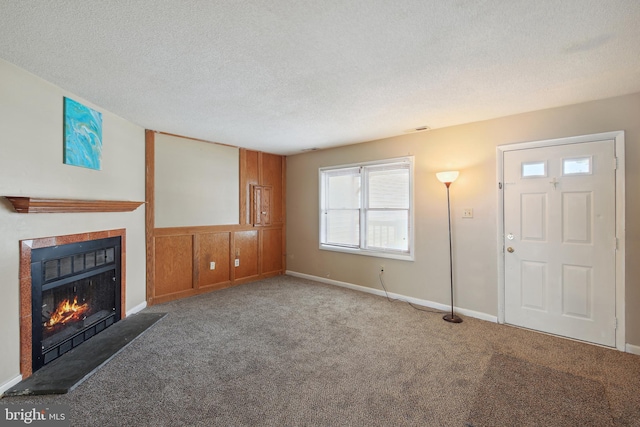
{"x": 514, "y": 389}
{"x": 290, "y": 352}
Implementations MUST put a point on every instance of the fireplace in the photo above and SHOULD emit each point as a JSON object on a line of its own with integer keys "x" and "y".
{"x": 72, "y": 287}
{"x": 75, "y": 295}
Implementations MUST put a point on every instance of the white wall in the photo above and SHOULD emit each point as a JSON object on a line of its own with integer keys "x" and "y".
{"x": 471, "y": 149}
{"x": 31, "y": 138}
{"x": 196, "y": 183}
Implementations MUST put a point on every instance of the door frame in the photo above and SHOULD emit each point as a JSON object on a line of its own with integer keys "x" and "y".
{"x": 618, "y": 138}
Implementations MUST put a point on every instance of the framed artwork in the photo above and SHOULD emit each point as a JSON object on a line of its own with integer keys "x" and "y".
{"x": 82, "y": 135}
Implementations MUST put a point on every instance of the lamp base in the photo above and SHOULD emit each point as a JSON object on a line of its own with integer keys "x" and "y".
{"x": 452, "y": 318}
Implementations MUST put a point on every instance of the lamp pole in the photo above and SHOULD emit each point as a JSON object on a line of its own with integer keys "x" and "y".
{"x": 450, "y": 317}
{"x": 447, "y": 178}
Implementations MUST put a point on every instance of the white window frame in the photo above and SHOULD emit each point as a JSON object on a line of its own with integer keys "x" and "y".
{"x": 361, "y": 249}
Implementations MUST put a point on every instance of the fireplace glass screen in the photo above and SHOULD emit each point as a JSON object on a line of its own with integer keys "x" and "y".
{"x": 70, "y": 308}
{"x": 75, "y": 295}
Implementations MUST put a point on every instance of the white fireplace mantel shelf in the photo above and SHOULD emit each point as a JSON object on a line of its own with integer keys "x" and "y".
{"x": 46, "y": 205}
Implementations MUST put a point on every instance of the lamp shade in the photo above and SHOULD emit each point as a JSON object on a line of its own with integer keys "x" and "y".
{"x": 447, "y": 177}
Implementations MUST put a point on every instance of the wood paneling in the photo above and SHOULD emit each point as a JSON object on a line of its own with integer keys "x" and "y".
{"x": 149, "y": 220}
{"x": 271, "y": 174}
{"x": 246, "y": 250}
{"x": 272, "y": 250}
{"x": 251, "y": 172}
{"x": 213, "y": 247}
{"x": 249, "y": 176}
{"x": 200, "y": 229}
{"x": 178, "y": 257}
{"x": 174, "y": 264}
{"x": 261, "y": 204}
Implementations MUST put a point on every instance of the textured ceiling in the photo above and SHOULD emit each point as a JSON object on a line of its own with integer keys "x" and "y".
{"x": 286, "y": 75}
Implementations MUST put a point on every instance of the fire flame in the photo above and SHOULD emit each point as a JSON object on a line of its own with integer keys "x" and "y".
{"x": 67, "y": 311}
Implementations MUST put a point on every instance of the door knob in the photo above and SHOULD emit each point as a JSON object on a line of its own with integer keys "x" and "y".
{"x": 510, "y": 249}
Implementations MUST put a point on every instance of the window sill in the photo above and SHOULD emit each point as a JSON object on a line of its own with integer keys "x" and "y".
{"x": 371, "y": 253}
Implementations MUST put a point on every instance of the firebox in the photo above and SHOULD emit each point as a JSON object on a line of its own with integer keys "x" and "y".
{"x": 75, "y": 295}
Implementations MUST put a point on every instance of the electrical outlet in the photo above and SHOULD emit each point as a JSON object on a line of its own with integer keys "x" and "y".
{"x": 381, "y": 268}
{"x": 467, "y": 213}
{"x": 212, "y": 265}
{"x": 237, "y": 262}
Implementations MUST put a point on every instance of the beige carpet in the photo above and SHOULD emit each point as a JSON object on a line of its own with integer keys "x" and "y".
{"x": 291, "y": 352}
{"x": 515, "y": 391}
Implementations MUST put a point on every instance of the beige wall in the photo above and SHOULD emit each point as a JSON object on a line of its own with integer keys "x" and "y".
{"x": 196, "y": 183}
{"x": 470, "y": 148}
{"x": 31, "y": 121}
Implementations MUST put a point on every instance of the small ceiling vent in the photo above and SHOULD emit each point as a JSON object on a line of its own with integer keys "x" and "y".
{"x": 418, "y": 129}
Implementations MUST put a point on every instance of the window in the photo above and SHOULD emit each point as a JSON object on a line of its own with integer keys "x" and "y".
{"x": 534, "y": 169}
{"x": 367, "y": 208}
{"x": 576, "y": 166}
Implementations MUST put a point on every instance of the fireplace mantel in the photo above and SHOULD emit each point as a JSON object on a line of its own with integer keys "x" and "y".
{"x": 46, "y": 205}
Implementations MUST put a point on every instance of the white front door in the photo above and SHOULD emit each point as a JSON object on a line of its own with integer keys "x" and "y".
{"x": 559, "y": 240}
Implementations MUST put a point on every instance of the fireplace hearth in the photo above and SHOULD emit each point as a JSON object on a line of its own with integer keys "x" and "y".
{"x": 75, "y": 294}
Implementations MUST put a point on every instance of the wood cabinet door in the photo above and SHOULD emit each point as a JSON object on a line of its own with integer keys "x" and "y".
{"x": 246, "y": 252}
{"x": 213, "y": 258}
{"x": 261, "y": 205}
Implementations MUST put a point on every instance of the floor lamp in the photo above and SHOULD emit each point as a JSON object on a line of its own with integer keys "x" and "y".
{"x": 447, "y": 178}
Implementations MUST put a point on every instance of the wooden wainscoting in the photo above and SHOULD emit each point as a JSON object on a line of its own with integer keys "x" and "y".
{"x": 216, "y": 248}
{"x": 174, "y": 264}
{"x": 179, "y": 258}
{"x": 246, "y": 252}
{"x": 272, "y": 259}
{"x": 183, "y": 258}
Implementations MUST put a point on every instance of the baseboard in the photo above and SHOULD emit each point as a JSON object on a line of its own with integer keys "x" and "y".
{"x": 380, "y": 292}
{"x": 477, "y": 315}
{"x": 137, "y": 308}
{"x": 9, "y": 384}
{"x": 633, "y": 349}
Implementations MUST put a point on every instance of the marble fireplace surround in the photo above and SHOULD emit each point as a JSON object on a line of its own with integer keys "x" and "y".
{"x": 25, "y": 283}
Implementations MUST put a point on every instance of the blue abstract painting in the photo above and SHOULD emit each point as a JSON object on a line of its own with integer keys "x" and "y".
{"x": 82, "y": 135}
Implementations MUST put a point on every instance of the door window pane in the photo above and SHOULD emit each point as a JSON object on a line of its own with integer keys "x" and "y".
{"x": 576, "y": 166}
{"x": 534, "y": 169}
